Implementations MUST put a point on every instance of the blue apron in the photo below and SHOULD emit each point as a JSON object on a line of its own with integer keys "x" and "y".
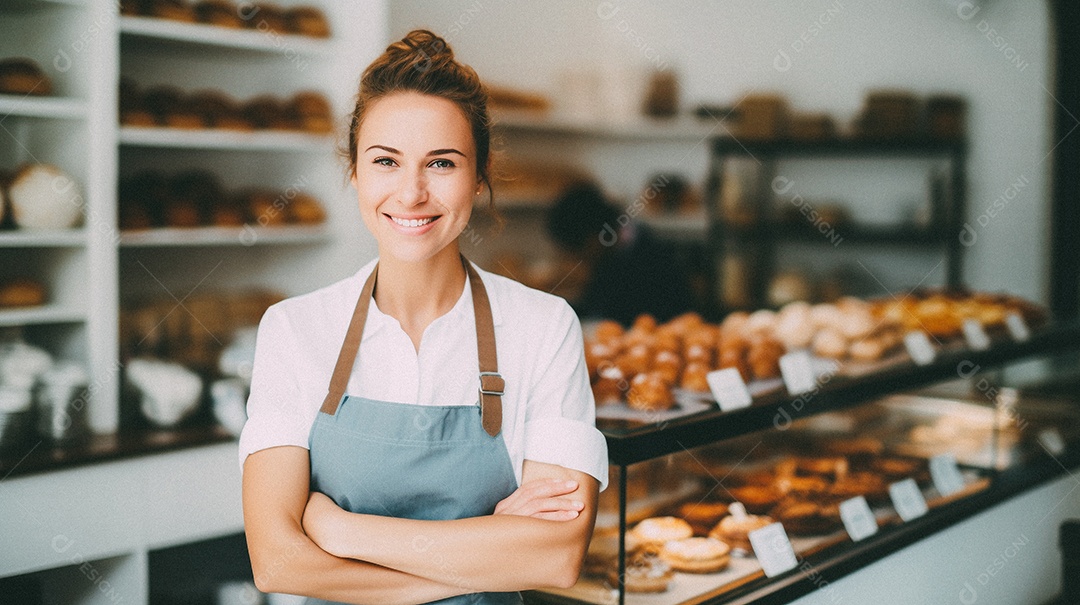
{"x": 415, "y": 461}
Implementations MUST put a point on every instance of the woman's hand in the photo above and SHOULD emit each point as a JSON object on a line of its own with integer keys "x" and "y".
{"x": 320, "y": 522}
{"x": 539, "y": 499}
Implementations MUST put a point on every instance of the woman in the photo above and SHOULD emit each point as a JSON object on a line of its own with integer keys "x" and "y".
{"x": 416, "y": 460}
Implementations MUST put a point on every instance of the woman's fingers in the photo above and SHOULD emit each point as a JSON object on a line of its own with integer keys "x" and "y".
{"x": 539, "y": 489}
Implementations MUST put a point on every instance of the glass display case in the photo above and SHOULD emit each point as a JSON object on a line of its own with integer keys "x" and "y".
{"x": 774, "y": 500}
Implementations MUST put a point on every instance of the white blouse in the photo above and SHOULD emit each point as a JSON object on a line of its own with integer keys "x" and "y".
{"x": 548, "y": 408}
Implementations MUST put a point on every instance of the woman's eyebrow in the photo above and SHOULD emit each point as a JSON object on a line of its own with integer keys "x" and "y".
{"x": 430, "y": 153}
{"x": 445, "y": 152}
{"x": 384, "y": 148}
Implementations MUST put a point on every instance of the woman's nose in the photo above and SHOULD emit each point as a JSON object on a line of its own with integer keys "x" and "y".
{"x": 413, "y": 189}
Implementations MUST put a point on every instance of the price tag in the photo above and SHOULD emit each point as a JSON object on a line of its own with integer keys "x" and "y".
{"x": 797, "y": 372}
{"x": 919, "y": 348}
{"x": 945, "y": 474}
{"x": 907, "y": 499}
{"x": 773, "y": 549}
{"x": 975, "y": 335}
{"x": 1017, "y": 327}
{"x": 1052, "y": 441}
{"x": 728, "y": 388}
{"x": 858, "y": 520}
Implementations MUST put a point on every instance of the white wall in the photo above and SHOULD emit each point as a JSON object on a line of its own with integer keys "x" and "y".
{"x": 838, "y": 49}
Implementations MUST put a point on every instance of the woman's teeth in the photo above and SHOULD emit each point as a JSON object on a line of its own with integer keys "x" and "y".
{"x": 414, "y": 222}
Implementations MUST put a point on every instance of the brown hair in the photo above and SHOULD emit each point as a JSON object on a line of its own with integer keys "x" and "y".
{"x": 422, "y": 62}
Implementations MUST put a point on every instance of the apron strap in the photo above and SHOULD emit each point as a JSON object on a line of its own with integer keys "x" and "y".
{"x": 492, "y": 384}
{"x": 350, "y": 348}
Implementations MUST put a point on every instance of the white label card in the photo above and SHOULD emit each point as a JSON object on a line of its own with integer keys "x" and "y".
{"x": 919, "y": 348}
{"x": 945, "y": 474}
{"x": 907, "y": 499}
{"x": 798, "y": 373}
{"x": 975, "y": 335}
{"x": 728, "y": 388}
{"x": 773, "y": 549}
{"x": 858, "y": 519}
{"x": 1053, "y": 442}
{"x": 1017, "y": 327}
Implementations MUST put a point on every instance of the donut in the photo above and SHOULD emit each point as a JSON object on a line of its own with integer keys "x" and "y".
{"x": 696, "y": 555}
{"x": 23, "y": 76}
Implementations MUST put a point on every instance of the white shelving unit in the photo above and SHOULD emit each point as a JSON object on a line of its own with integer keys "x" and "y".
{"x": 118, "y": 513}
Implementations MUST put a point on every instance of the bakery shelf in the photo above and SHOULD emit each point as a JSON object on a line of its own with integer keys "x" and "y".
{"x": 66, "y": 238}
{"x": 224, "y": 236}
{"x": 198, "y": 34}
{"x": 42, "y": 107}
{"x": 45, "y": 314}
{"x": 631, "y": 444}
{"x": 849, "y": 232}
{"x": 656, "y": 129}
{"x": 916, "y": 147}
{"x": 172, "y": 138}
{"x": 23, "y": 5}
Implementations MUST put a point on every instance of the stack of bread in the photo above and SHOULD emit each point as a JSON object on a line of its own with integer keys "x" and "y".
{"x": 262, "y": 16}
{"x": 195, "y": 198}
{"x": 642, "y": 365}
{"x": 169, "y": 107}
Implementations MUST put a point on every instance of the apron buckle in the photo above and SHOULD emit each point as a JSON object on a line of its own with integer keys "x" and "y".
{"x": 492, "y": 383}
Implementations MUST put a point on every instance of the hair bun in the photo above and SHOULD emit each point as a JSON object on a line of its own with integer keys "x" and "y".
{"x": 422, "y": 45}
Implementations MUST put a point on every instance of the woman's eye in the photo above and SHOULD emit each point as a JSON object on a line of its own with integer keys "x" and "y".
{"x": 442, "y": 164}
{"x": 384, "y": 161}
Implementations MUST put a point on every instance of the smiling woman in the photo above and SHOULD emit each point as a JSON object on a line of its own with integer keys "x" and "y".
{"x": 432, "y": 466}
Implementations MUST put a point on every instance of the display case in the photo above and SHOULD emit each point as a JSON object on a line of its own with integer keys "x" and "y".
{"x": 774, "y": 500}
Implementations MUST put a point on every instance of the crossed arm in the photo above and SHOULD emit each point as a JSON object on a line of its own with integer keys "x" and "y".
{"x": 302, "y": 543}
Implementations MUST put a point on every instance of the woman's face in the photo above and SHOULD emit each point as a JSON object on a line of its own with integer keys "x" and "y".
{"x": 415, "y": 174}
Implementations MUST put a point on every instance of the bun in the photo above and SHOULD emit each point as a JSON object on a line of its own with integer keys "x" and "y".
{"x": 218, "y": 12}
{"x": 307, "y": 21}
{"x": 22, "y": 76}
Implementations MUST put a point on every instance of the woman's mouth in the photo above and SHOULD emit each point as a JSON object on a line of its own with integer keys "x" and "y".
{"x": 414, "y": 226}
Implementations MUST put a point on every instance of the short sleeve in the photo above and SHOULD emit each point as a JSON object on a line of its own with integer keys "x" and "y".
{"x": 273, "y": 406}
{"x": 560, "y": 417}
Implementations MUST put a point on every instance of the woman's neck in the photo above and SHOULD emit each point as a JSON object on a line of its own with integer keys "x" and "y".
{"x": 416, "y": 294}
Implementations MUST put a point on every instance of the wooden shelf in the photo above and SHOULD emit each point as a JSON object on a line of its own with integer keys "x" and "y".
{"x": 42, "y": 107}
{"x": 173, "y": 138}
{"x": 675, "y": 129}
{"x": 920, "y": 146}
{"x": 60, "y": 238}
{"x": 224, "y": 236}
{"x": 198, "y": 34}
{"x": 45, "y": 314}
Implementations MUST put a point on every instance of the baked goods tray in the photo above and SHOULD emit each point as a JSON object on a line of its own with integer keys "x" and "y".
{"x": 695, "y": 588}
{"x": 641, "y": 508}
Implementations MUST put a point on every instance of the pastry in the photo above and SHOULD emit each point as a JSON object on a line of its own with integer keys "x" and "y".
{"x": 602, "y": 554}
{"x": 735, "y": 529}
{"x": 757, "y": 498}
{"x": 702, "y": 516}
{"x": 763, "y": 357}
{"x": 804, "y": 517}
{"x": 165, "y": 101}
{"x": 608, "y": 331}
{"x": 195, "y": 190}
{"x": 696, "y": 555}
{"x": 266, "y": 112}
{"x": 654, "y": 531}
{"x": 217, "y": 110}
{"x": 644, "y": 573}
{"x": 266, "y": 17}
{"x": 228, "y": 213}
{"x": 635, "y": 360}
{"x": 218, "y": 12}
{"x": 610, "y": 385}
{"x": 306, "y": 210}
{"x": 831, "y": 343}
{"x": 307, "y": 21}
{"x": 761, "y": 322}
{"x": 870, "y": 485}
{"x": 311, "y": 111}
{"x": 794, "y": 484}
{"x": 44, "y": 197}
{"x": 649, "y": 392}
{"x": 826, "y": 466}
{"x": 668, "y": 366}
{"x": 596, "y": 354}
{"x": 644, "y": 323}
{"x": 867, "y": 349}
{"x": 695, "y": 377}
{"x": 21, "y": 292}
{"x": 266, "y": 209}
{"x": 734, "y": 324}
{"x": 698, "y": 353}
{"x": 132, "y": 110}
{"x": 176, "y": 10}
{"x": 23, "y": 76}
{"x": 735, "y": 358}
